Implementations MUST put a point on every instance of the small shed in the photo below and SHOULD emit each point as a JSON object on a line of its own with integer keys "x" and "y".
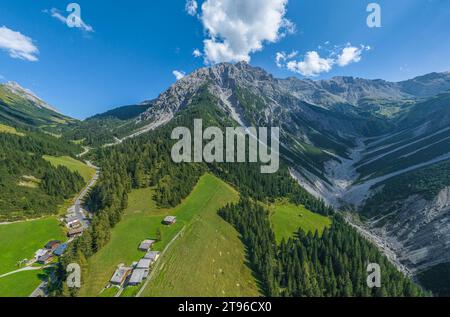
{"x": 170, "y": 220}
{"x": 146, "y": 245}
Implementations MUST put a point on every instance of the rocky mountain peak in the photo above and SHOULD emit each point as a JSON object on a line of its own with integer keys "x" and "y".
{"x": 226, "y": 80}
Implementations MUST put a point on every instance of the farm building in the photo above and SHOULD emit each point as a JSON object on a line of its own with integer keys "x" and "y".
{"x": 120, "y": 275}
{"x": 75, "y": 232}
{"x": 152, "y": 256}
{"x": 138, "y": 276}
{"x": 170, "y": 220}
{"x": 76, "y": 225}
{"x": 71, "y": 219}
{"x": 40, "y": 253}
{"x": 144, "y": 264}
{"x": 45, "y": 259}
{"x": 146, "y": 245}
{"x": 60, "y": 249}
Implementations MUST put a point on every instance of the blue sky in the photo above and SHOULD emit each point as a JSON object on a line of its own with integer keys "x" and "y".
{"x": 126, "y": 51}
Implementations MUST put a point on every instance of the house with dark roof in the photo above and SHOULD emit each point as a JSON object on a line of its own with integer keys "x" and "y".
{"x": 40, "y": 253}
{"x": 45, "y": 259}
{"x": 75, "y": 232}
{"x": 52, "y": 245}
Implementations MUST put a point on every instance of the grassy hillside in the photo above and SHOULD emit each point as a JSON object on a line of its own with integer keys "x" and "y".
{"x": 20, "y": 240}
{"x": 287, "y": 218}
{"x": 141, "y": 221}
{"x": 208, "y": 259}
{"x": 73, "y": 165}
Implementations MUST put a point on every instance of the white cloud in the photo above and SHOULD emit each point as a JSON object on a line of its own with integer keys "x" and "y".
{"x": 18, "y": 45}
{"x": 55, "y": 13}
{"x": 191, "y": 7}
{"x": 237, "y": 28}
{"x": 350, "y": 54}
{"x": 288, "y": 27}
{"x": 197, "y": 53}
{"x": 178, "y": 74}
{"x": 282, "y": 57}
{"x": 312, "y": 65}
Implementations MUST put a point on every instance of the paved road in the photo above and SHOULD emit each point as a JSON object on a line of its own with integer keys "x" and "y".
{"x": 77, "y": 208}
{"x": 40, "y": 291}
{"x": 86, "y": 151}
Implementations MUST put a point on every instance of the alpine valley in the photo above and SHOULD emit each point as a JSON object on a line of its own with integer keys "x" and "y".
{"x": 369, "y": 158}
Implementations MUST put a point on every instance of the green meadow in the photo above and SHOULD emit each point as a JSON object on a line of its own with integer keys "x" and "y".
{"x": 207, "y": 234}
{"x": 286, "y": 218}
{"x": 21, "y": 240}
{"x": 72, "y": 164}
{"x": 208, "y": 259}
{"x": 21, "y": 284}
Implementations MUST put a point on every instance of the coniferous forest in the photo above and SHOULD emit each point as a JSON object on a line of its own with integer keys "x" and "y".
{"x": 24, "y": 173}
{"x": 311, "y": 265}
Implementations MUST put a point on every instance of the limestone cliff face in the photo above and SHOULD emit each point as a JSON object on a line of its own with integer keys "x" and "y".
{"x": 419, "y": 232}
